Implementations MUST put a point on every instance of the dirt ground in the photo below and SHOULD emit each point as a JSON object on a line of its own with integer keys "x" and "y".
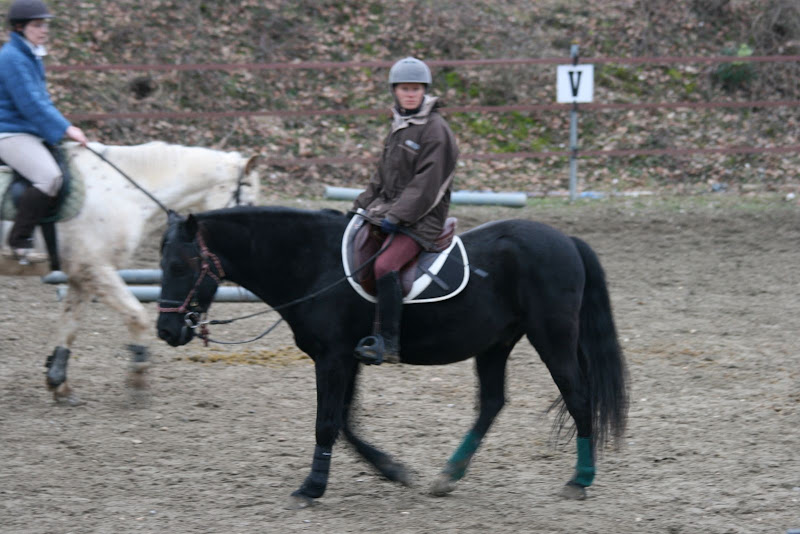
{"x": 705, "y": 294}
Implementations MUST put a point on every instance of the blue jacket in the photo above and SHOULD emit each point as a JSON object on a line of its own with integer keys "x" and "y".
{"x": 25, "y": 105}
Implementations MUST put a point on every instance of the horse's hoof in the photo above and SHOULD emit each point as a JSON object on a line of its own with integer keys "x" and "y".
{"x": 299, "y": 502}
{"x": 443, "y": 485}
{"x": 398, "y": 474}
{"x": 61, "y": 391}
{"x": 403, "y": 477}
{"x": 394, "y": 471}
{"x": 573, "y": 492}
{"x": 72, "y": 400}
{"x": 137, "y": 380}
{"x": 139, "y": 367}
{"x": 63, "y": 395}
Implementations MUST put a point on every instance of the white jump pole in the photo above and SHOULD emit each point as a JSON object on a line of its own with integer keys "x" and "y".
{"x": 514, "y": 200}
{"x": 130, "y": 276}
{"x": 151, "y": 294}
{"x": 224, "y": 294}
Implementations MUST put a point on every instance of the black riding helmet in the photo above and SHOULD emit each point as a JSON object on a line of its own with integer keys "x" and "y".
{"x": 24, "y": 11}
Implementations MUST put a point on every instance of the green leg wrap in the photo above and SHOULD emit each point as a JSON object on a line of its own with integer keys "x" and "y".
{"x": 457, "y": 464}
{"x": 584, "y": 469}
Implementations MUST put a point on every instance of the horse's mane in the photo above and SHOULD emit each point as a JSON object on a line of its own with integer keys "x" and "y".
{"x": 157, "y": 158}
{"x": 263, "y": 214}
{"x": 278, "y": 211}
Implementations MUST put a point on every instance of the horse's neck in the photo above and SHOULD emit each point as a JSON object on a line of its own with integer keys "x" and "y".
{"x": 279, "y": 255}
{"x": 231, "y": 241}
{"x": 179, "y": 177}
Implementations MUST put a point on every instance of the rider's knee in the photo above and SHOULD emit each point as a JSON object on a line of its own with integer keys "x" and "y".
{"x": 50, "y": 187}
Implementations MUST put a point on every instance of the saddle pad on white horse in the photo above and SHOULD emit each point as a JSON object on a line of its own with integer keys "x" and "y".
{"x": 439, "y": 275}
{"x": 69, "y": 207}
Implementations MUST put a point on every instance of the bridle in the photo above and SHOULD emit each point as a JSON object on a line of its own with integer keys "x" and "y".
{"x": 236, "y": 197}
{"x": 208, "y": 262}
{"x": 188, "y": 306}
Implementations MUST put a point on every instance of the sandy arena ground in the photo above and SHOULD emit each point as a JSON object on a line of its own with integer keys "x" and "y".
{"x": 705, "y": 294}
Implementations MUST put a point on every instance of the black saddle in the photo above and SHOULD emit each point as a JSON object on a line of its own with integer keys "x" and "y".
{"x": 430, "y": 277}
{"x": 411, "y": 271}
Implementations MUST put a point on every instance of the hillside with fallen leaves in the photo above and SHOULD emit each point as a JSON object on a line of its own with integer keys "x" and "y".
{"x": 250, "y": 31}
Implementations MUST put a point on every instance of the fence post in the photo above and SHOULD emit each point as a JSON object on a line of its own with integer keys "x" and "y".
{"x": 573, "y": 137}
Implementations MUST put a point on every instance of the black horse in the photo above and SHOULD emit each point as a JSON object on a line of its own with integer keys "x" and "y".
{"x": 541, "y": 284}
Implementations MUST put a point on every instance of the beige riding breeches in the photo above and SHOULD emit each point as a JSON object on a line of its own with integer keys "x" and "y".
{"x": 27, "y": 155}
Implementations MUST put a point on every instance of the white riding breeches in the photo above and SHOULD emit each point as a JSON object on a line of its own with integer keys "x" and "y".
{"x": 27, "y": 155}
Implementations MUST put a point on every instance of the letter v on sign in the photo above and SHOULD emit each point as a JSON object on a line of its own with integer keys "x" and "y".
{"x": 575, "y": 83}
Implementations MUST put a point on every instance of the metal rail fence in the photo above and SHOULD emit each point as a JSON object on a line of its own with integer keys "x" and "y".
{"x": 320, "y": 65}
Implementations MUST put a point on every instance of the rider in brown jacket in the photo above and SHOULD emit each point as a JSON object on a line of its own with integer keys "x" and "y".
{"x": 408, "y": 197}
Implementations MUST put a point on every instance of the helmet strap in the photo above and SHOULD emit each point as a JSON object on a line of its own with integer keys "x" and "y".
{"x": 406, "y": 112}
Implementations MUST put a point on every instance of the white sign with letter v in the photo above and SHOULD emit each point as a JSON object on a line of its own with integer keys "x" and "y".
{"x": 575, "y": 83}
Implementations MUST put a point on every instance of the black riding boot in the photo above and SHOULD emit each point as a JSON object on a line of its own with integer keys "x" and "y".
{"x": 33, "y": 207}
{"x": 390, "y": 308}
{"x": 385, "y": 346}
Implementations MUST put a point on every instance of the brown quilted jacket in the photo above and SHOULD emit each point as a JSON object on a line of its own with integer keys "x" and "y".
{"x": 412, "y": 184}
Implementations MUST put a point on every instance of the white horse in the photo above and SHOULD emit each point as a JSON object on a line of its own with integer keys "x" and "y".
{"x": 114, "y": 218}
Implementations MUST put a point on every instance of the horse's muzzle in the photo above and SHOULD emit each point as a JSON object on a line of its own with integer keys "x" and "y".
{"x": 175, "y": 334}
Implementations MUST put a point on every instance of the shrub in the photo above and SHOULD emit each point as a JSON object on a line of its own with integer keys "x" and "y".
{"x": 736, "y": 74}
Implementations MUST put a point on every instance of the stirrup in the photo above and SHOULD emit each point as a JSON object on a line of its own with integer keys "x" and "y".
{"x": 370, "y": 350}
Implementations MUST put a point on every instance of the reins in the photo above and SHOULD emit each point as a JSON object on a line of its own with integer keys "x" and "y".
{"x": 236, "y": 196}
{"x": 205, "y": 253}
{"x": 131, "y": 180}
{"x": 192, "y": 319}
{"x": 237, "y": 193}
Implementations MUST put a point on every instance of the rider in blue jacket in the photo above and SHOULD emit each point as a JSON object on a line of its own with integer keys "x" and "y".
{"x": 28, "y": 120}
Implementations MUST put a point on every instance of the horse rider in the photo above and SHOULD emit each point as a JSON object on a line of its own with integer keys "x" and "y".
{"x": 408, "y": 197}
{"x": 28, "y": 120}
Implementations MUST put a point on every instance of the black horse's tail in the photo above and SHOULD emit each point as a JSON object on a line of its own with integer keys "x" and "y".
{"x": 600, "y": 354}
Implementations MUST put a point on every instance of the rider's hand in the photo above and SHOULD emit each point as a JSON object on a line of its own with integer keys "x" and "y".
{"x": 388, "y": 226}
{"x": 76, "y": 134}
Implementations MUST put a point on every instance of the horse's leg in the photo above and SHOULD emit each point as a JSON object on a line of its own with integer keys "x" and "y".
{"x": 56, "y": 363}
{"x": 104, "y": 282}
{"x": 333, "y": 377}
{"x": 385, "y": 464}
{"x": 558, "y": 349}
{"x": 491, "y": 369}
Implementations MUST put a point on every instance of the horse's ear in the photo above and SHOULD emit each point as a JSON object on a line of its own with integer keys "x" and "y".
{"x": 191, "y": 226}
{"x": 250, "y": 165}
{"x": 174, "y": 218}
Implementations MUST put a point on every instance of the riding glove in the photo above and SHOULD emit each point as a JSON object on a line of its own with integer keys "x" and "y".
{"x": 388, "y": 226}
